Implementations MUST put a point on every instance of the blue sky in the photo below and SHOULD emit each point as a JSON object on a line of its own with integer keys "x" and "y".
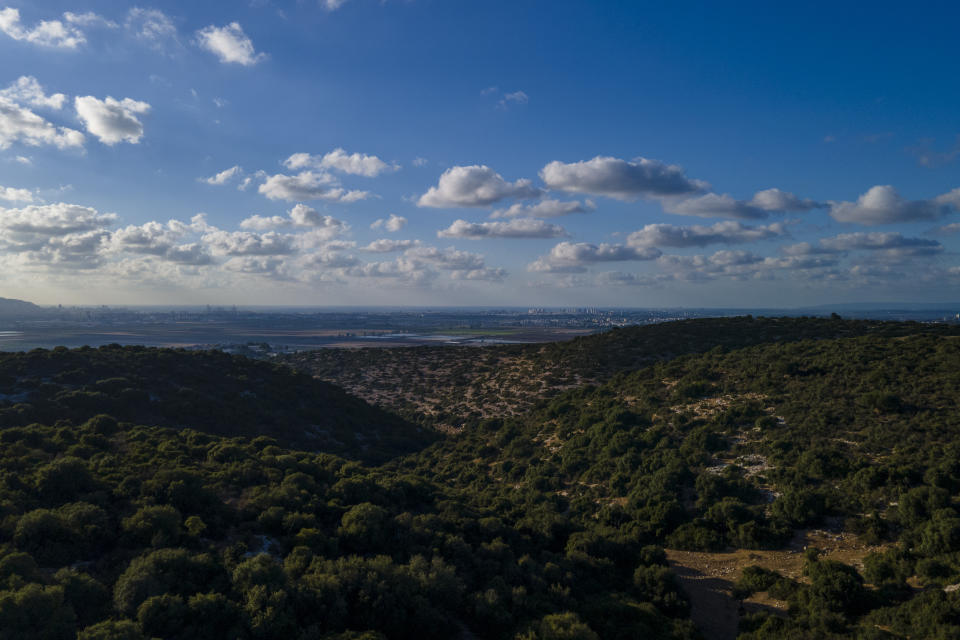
{"x": 432, "y": 152}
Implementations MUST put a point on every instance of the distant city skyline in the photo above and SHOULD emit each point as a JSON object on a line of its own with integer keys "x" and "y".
{"x": 421, "y": 152}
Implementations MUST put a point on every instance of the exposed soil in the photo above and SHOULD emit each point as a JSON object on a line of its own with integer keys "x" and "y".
{"x": 708, "y": 578}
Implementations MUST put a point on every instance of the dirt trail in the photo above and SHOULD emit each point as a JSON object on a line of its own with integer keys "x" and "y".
{"x": 707, "y": 578}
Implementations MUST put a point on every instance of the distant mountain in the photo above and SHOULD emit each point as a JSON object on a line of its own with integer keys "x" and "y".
{"x": 10, "y": 307}
{"x": 208, "y": 391}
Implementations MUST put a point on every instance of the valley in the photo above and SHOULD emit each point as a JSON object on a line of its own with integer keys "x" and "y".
{"x": 641, "y": 482}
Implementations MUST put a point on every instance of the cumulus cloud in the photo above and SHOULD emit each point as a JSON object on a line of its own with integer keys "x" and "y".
{"x": 249, "y": 243}
{"x": 162, "y": 241}
{"x": 27, "y": 91}
{"x": 392, "y": 224}
{"x": 572, "y": 257}
{"x": 516, "y": 228}
{"x": 418, "y": 264}
{"x": 47, "y": 33}
{"x": 357, "y": 164}
{"x": 883, "y": 205}
{"x": 546, "y": 208}
{"x": 300, "y": 216}
{"x": 230, "y": 44}
{"x": 880, "y": 241}
{"x": 727, "y": 232}
{"x": 54, "y": 234}
{"x": 475, "y": 186}
{"x": 19, "y": 124}
{"x": 713, "y": 205}
{"x": 387, "y": 245}
{"x": 265, "y": 223}
{"x": 777, "y": 200}
{"x": 112, "y": 121}
{"x": 11, "y": 194}
{"x": 488, "y": 274}
{"x": 304, "y": 216}
{"x": 308, "y": 185}
{"x": 449, "y": 258}
{"x": 620, "y": 179}
{"x": 224, "y": 176}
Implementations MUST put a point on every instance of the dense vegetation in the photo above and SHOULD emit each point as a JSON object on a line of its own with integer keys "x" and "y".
{"x": 452, "y": 387}
{"x": 209, "y": 391}
{"x": 172, "y": 517}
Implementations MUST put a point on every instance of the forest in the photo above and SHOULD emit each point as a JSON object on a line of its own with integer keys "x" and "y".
{"x": 158, "y": 493}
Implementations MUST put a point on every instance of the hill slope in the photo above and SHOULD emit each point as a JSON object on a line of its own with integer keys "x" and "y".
{"x": 450, "y": 386}
{"x": 10, "y": 307}
{"x": 745, "y": 449}
{"x": 208, "y": 391}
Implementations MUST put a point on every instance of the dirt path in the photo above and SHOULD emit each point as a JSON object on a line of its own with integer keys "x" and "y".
{"x": 707, "y": 578}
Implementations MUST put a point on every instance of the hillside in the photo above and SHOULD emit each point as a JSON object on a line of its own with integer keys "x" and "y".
{"x": 745, "y": 449}
{"x": 12, "y": 308}
{"x": 208, "y": 391}
{"x": 659, "y": 500}
{"x": 451, "y": 386}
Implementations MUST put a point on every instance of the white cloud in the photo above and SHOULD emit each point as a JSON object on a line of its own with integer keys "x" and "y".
{"x": 24, "y": 160}
{"x": 304, "y": 216}
{"x": 474, "y": 186}
{"x": 357, "y": 164}
{"x": 878, "y": 241}
{"x": 308, "y": 185}
{"x": 161, "y": 241}
{"x": 546, "y": 208}
{"x": 516, "y": 228}
{"x": 572, "y": 257}
{"x": 27, "y": 91}
{"x": 265, "y": 223}
{"x": 249, "y": 243}
{"x": 230, "y": 44}
{"x": 388, "y": 245}
{"x": 152, "y": 27}
{"x": 18, "y": 124}
{"x": 33, "y": 226}
{"x": 777, "y": 200}
{"x": 621, "y": 279}
{"x": 712, "y": 205}
{"x": 110, "y": 120}
{"x": 47, "y": 33}
{"x": 322, "y": 227}
{"x": 517, "y": 97}
{"x": 726, "y": 232}
{"x": 224, "y": 176}
{"x": 620, "y": 179}
{"x": 420, "y": 162}
{"x": 883, "y": 205}
{"x": 392, "y": 224}
{"x": 11, "y": 194}
{"x": 488, "y": 274}
{"x": 448, "y": 259}
{"x": 89, "y": 19}
{"x": 332, "y": 5}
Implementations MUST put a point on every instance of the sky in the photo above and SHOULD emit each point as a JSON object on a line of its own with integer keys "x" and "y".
{"x": 448, "y": 152}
